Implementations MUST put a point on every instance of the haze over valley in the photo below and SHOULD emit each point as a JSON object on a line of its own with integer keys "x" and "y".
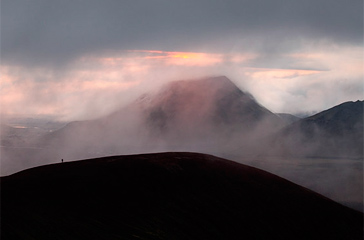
{"x": 209, "y": 115}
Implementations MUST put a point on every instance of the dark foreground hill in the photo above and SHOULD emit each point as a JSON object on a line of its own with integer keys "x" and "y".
{"x": 166, "y": 196}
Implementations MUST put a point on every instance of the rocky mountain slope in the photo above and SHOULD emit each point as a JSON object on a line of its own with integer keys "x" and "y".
{"x": 336, "y": 132}
{"x": 198, "y": 115}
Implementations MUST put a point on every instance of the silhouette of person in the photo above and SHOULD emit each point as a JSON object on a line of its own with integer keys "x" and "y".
{"x": 62, "y": 159}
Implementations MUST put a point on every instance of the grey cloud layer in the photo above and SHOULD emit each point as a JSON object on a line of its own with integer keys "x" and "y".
{"x": 40, "y": 32}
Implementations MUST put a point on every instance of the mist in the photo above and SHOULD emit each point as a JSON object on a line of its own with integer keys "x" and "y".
{"x": 94, "y": 86}
{"x": 91, "y": 79}
{"x": 78, "y": 61}
{"x": 210, "y": 115}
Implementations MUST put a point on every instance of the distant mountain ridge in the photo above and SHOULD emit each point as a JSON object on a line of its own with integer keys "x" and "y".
{"x": 213, "y": 113}
{"x": 336, "y": 132}
{"x": 206, "y": 106}
{"x": 184, "y": 115}
{"x": 210, "y": 115}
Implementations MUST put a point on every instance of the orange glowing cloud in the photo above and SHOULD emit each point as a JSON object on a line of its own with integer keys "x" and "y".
{"x": 182, "y": 58}
{"x": 95, "y": 80}
{"x": 60, "y": 94}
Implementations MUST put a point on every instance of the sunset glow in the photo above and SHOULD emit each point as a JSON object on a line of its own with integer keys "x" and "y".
{"x": 111, "y": 76}
{"x": 181, "y": 58}
{"x": 274, "y": 85}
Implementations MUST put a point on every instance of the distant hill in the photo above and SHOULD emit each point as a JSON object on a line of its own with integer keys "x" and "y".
{"x": 209, "y": 115}
{"x": 214, "y": 101}
{"x": 336, "y": 132}
{"x": 212, "y": 115}
{"x": 211, "y": 111}
{"x": 195, "y": 115}
{"x": 166, "y": 196}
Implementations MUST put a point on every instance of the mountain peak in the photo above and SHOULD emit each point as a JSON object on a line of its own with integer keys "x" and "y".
{"x": 219, "y": 82}
{"x": 335, "y": 132}
{"x": 203, "y": 107}
{"x": 191, "y": 92}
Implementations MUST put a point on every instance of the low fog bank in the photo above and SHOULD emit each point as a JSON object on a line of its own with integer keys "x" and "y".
{"x": 213, "y": 116}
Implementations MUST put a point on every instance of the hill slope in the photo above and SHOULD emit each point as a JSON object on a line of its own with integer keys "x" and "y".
{"x": 336, "y": 132}
{"x": 166, "y": 196}
{"x": 195, "y": 115}
{"x": 214, "y": 101}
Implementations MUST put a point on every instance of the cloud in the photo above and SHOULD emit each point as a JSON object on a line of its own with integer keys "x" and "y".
{"x": 54, "y": 32}
{"x": 182, "y": 58}
{"x": 95, "y": 85}
{"x": 91, "y": 56}
{"x": 307, "y": 90}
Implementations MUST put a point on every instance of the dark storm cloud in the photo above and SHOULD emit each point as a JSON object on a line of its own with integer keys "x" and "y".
{"x": 53, "y": 32}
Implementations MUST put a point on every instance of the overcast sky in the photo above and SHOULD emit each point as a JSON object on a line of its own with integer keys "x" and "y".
{"x": 81, "y": 59}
